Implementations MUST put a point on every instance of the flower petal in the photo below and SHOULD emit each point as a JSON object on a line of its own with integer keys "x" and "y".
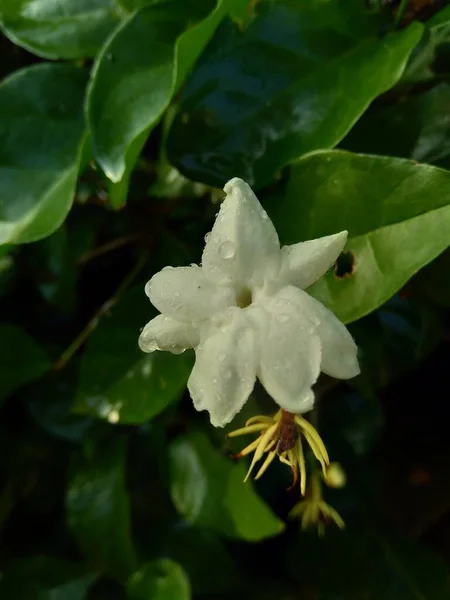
{"x": 186, "y": 294}
{"x": 339, "y": 351}
{"x": 164, "y": 333}
{"x": 243, "y": 245}
{"x": 304, "y": 263}
{"x": 225, "y": 370}
{"x": 290, "y": 354}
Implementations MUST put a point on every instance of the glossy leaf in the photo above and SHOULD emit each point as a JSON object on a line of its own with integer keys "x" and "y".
{"x": 136, "y": 75}
{"x": 295, "y": 80}
{"x": 50, "y": 402}
{"x": 119, "y": 382}
{"x": 208, "y": 490}
{"x": 63, "y": 29}
{"x": 412, "y": 127}
{"x": 192, "y": 548}
{"x": 21, "y": 359}
{"x": 388, "y": 205}
{"x": 45, "y": 578}
{"x": 394, "y": 339}
{"x": 98, "y": 507}
{"x": 161, "y": 579}
{"x": 41, "y": 127}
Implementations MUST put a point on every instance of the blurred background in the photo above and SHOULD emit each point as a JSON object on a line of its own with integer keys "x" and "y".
{"x": 111, "y": 485}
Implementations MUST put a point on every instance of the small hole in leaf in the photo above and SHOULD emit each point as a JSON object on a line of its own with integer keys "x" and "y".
{"x": 345, "y": 265}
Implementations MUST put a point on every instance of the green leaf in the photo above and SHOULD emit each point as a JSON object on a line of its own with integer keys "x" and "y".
{"x": 431, "y": 281}
{"x": 63, "y": 29}
{"x": 161, "y": 579}
{"x": 98, "y": 507}
{"x": 119, "y": 382}
{"x": 45, "y": 578}
{"x": 41, "y": 127}
{"x": 423, "y": 61}
{"x": 394, "y": 339}
{"x": 135, "y": 77}
{"x": 52, "y": 268}
{"x": 21, "y": 359}
{"x": 294, "y": 81}
{"x": 208, "y": 490}
{"x": 413, "y": 127}
{"x": 389, "y": 207}
{"x": 50, "y": 403}
{"x": 193, "y": 547}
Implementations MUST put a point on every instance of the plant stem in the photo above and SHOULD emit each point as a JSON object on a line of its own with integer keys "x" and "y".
{"x": 104, "y": 308}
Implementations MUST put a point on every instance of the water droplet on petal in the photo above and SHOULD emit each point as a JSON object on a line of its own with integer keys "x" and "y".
{"x": 214, "y": 380}
{"x": 207, "y": 236}
{"x": 227, "y": 250}
{"x": 283, "y": 318}
{"x": 315, "y": 321}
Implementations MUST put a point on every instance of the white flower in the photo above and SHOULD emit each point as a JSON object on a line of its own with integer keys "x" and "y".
{"x": 246, "y": 314}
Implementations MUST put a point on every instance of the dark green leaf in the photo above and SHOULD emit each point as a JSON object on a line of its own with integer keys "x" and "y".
{"x": 208, "y": 490}
{"x": 422, "y": 64}
{"x": 415, "y": 127}
{"x": 193, "y": 547}
{"x": 45, "y": 578}
{"x": 21, "y": 359}
{"x": 294, "y": 81}
{"x": 161, "y": 579}
{"x": 50, "y": 401}
{"x": 136, "y": 75}
{"x": 119, "y": 382}
{"x": 432, "y": 282}
{"x": 53, "y": 269}
{"x": 65, "y": 29}
{"x": 388, "y": 205}
{"x": 98, "y": 507}
{"x": 394, "y": 339}
{"x": 41, "y": 127}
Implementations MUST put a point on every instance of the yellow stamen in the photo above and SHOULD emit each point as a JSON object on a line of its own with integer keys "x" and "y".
{"x": 265, "y": 464}
{"x": 265, "y": 439}
{"x": 251, "y": 429}
{"x": 260, "y": 419}
{"x": 249, "y": 448}
{"x": 308, "y": 428}
{"x": 302, "y": 465}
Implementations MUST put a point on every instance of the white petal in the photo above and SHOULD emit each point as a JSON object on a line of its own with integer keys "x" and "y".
{"x": 290, "y": 354}
{"x": 243, "y": 245}
{"x": 339, "y": 351}
{"x": 225, "y": 370}
{"x": 186, "y": 294}
{"x": 164, "y": 333}
{"x": 304, "y": 263}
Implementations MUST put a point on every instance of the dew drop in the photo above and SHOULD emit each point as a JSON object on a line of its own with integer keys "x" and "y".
{"x": 227, "y": 250}
{"x": 315, "y": 321}
{"x": 207, "y": 236}
{"x": 214, "y": 380}
{"x": 282, "y": 318}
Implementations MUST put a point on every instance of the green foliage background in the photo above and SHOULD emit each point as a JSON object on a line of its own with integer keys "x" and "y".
{"x": 120, "y": 120}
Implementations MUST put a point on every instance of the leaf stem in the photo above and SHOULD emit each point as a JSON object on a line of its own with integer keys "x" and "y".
{"x": 104, "y": 308}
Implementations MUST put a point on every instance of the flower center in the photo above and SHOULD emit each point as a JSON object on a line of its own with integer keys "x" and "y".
{"x": 244, "y": 297}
